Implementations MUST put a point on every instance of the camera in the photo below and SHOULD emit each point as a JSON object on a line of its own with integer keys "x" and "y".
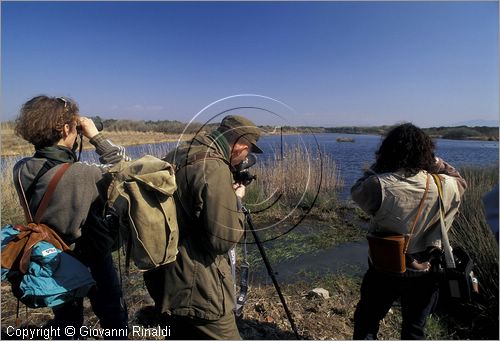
{"x": 241, "y": 173}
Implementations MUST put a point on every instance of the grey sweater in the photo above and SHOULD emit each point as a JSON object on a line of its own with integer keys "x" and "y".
{"x": 77, "y": 204}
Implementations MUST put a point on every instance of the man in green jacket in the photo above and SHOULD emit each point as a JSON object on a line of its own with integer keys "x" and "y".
{"x": 197, "y": 291}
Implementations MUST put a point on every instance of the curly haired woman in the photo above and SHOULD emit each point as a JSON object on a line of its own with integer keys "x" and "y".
{"x": 391, "y": 191}
{"x": 76, "y": 208}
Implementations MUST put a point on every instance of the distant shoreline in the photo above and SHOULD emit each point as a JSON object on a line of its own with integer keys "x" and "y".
{"x": 13, "y": 145}
{"x": 466, "y": 138}
{"x": 453, "y": 133}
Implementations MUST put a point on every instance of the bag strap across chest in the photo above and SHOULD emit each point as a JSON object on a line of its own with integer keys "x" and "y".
{"x": 44, "y": 203}
{"x": 419, "y": 212}
{"x": 450, "y": 261}
{"x": 200, "y": 156}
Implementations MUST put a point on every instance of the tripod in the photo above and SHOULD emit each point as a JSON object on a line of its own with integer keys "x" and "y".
{"x": 270, "y": 270}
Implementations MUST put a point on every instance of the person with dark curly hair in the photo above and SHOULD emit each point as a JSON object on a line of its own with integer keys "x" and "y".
{"x": 391, "y": 191}
{"x": 75, "y": 211}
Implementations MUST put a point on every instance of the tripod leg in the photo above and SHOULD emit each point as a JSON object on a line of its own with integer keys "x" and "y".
{"x": 270, "y": 272}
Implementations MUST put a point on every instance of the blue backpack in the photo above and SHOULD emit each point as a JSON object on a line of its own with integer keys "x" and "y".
{"x": 53, "y": 277}
{"x": 36, "y": 262}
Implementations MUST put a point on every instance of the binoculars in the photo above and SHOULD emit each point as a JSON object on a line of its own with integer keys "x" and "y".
{"x": 97, "y": 122}
{"x": 241, "y": 173}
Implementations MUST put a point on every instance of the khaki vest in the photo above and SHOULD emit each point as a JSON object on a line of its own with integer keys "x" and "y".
{"x": 400, "y": 200}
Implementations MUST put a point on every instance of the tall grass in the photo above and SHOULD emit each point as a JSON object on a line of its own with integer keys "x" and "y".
{"x": 297, "y": 180}
{"x": 471, "y": 231}
{"x": 11, "y": 212}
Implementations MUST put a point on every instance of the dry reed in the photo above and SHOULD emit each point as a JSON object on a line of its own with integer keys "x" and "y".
{"x": 11, "y": 212}
{"x": 300, "y": 179}
{"x": 471, "y": 231}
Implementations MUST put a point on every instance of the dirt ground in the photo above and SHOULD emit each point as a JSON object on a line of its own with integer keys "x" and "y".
{"x": 263, "y": 316}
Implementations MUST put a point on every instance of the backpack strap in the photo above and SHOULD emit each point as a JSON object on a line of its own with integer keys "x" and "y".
{"x": 23, "y": 199}
{"x": 448, "y": 254}
{"x": 420, "y": 208}
{"x": 29, "y": 218}
{"x": 47, "y": 165}
{"x": 46, "y": 197}
{"x": 50, "y": 190}
{"x": 201, "y": 156}
{"x": 204, "y": 156}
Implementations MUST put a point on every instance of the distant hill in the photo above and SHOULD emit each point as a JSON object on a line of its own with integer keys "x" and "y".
{"x": 455, "y": 133}
{"x": 478, "y": 123}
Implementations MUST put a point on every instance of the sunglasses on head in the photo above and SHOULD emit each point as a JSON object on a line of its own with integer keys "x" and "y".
{"x": 64, "y": 101}
{"x": 66, "y": 107}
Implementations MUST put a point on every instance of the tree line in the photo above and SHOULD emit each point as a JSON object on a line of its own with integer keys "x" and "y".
{"x": 454, "y": 133}
{"x": 177, "y": 127}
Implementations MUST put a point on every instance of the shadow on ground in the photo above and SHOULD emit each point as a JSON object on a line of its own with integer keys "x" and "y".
{"x": 250, "y": 329}
{"x": 256, "y": 330}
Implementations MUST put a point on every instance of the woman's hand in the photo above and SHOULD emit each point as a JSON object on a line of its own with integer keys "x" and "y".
{"x": 88, "y": 127}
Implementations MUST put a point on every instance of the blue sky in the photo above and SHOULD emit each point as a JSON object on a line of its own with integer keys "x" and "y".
{"x": 333, "y": 63}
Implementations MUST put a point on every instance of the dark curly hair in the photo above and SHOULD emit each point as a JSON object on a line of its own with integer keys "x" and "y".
{"x": 42, "y": 119}
{"x": 406, "y": 147}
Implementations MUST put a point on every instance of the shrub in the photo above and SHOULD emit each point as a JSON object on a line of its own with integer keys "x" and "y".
{"x": 460, "y": 133}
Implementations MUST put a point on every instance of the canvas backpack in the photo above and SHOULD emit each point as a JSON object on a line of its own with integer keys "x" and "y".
{"x": 140, "y": 194}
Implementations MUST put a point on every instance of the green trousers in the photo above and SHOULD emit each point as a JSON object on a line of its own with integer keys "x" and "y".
{"x": 189, "y": 328}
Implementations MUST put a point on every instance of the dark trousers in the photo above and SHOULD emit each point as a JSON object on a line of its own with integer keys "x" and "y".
{"x": 106, "y": 299}
{"x": 418, "y": 293}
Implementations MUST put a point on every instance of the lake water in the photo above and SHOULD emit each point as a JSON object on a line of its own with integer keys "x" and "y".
{"x": 351, "y": 157}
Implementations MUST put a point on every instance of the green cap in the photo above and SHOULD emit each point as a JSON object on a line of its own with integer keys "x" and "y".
{"x": 242, "y": 128}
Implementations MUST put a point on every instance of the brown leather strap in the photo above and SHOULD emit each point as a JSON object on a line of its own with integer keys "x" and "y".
{"x": 13, "y": 251}
{"x": 50, "y": 190}
{"x": 420, "y": 208}
{"x": 39, "y": 232}
{"x": 17, "y": 253}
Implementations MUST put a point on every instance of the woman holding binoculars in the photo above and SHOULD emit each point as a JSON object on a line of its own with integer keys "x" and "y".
{"x": 52, "y": 125}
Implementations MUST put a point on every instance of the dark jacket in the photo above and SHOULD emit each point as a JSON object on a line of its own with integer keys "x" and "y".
{"x": 76, "y": 210}
{"x": 199, "y": 282}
